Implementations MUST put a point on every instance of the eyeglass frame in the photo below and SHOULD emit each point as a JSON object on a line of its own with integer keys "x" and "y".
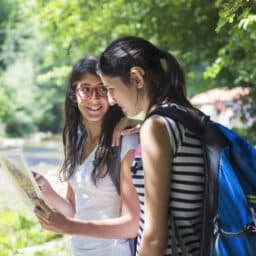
{"x": 92, "y": 90}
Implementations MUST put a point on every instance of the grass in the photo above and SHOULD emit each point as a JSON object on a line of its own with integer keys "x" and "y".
{"x": 21, "y": 234}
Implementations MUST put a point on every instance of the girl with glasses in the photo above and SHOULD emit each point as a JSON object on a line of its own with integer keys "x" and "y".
{"x": 97, "y": 213}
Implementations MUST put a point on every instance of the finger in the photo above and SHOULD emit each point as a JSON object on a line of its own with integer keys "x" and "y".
{"x": 130, "y": 131}
{"x": 36, "y": 175}
{"x": 42, "y": 217}
{"x": 115, "y": 139}
{"x": 43, "y": 223}
{"x": 41, "y": 204}
{"x": 39, "y": 213}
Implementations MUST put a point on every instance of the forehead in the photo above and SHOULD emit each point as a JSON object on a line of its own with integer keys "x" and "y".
{"x": 112, "y": 81}
{"x": 90, "y": 79}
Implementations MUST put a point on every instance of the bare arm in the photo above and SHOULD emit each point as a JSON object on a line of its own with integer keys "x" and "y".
{"x": 157, "y": 160}
{"x": 124, "y": 226}
{"x": 125, "y": 127}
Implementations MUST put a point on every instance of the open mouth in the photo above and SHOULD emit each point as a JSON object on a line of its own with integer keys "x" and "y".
{"x": 94, "y": 108}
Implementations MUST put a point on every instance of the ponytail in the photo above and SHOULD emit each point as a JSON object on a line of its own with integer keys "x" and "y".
{"x": 175, "y": 85}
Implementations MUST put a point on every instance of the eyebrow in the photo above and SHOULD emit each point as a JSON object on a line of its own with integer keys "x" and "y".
{"x": 86, "y": 84}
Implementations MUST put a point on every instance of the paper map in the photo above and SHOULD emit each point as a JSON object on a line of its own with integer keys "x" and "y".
{"x": 15, "y": 165}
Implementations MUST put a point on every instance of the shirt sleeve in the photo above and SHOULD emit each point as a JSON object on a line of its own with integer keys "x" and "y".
{"x": 129, "y": 142}
{"x": 176, "y": 133}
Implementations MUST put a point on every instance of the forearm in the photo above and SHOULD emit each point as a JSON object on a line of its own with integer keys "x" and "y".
{"x": 117, "y": 228}
{"x": 55, "y": 201}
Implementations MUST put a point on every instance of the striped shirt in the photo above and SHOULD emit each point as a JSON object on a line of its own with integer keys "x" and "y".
{"x": 187, "y": 187}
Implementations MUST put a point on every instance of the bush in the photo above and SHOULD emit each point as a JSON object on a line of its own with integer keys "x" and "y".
{"x": 248, "y": 133}
{"x": 19, "y": 231}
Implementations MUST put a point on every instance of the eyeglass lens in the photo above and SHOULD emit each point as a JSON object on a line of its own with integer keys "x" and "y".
{"x": 86, "y": 91}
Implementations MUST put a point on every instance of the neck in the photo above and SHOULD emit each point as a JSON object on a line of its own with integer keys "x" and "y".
{"x": 93, "y": 136}
{"x": 143, "y": 101}
{"x": 93, "y": 132}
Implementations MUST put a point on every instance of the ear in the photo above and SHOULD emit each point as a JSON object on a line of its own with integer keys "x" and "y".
{"x": 137, "y": 76}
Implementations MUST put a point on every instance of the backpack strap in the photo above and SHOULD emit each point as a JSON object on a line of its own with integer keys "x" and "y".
{"x": 212, "y": 143}
{"x": 194, "y": 120}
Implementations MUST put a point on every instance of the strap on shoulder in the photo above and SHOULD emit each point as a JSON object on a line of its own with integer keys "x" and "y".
{"x": 192, "y": 119}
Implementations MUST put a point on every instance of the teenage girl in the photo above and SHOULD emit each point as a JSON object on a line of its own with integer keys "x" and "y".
{"x": 169, "y": 168}
{"x": 97, "y": 216}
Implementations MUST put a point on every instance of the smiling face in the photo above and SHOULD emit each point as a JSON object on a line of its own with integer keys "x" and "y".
{"x": 91, "y": 98}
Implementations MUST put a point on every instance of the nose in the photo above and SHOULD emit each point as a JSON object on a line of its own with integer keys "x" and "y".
{"x": 95, "y": 94}
{"x": 111, "y": 100}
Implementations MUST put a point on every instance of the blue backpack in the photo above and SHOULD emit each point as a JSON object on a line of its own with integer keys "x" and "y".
{"x": 229, "y": 211}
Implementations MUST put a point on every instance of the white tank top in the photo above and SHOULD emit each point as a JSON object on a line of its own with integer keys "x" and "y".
{"x": 98, "y": 203}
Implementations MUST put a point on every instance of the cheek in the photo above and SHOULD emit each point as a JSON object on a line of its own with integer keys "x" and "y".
{"x": 111, "y": 97}
{"x": 104, "y": 103}
{"x": 78, "y": 100}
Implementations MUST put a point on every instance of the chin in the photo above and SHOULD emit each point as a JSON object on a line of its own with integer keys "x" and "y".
{"x": 95, "y": 118}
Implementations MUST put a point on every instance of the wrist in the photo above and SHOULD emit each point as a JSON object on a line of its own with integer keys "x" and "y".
{"x": 69, "y": 226}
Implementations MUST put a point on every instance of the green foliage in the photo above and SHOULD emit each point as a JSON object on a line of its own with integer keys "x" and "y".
{"x": 17, "y": 99}
{"x": 236, "y": 58}
{"x": 19, "y": 231}
{"x": 185, "y": 28}
{"x": 248, "y": 133}
{"x": 213, "y": 40}
{"x": 4, "y": 102}
{"x": 28, "y": 104}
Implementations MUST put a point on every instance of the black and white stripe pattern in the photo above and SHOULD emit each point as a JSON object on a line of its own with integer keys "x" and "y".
{"x": 187, "y": 187}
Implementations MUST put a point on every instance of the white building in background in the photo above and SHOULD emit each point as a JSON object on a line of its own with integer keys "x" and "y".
{"x": 225, "y": 106}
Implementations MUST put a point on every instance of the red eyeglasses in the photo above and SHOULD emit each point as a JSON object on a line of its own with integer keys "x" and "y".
{"x": 85, "y": 91}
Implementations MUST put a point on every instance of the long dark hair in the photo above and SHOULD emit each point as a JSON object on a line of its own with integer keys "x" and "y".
{"x": 163, "y": 76}
{"x": 74, "y": 133}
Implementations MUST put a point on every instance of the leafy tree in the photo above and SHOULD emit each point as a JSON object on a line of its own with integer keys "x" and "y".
{"x": 214, "y": 38}
{"x": 186, "y": 28}
{"x": 236, "y": 59}
{"x": 29, "y": 106}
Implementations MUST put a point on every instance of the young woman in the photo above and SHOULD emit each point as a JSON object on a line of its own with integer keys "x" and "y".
{"x": 170, "y": 180}
{"x": 99, "y": 218}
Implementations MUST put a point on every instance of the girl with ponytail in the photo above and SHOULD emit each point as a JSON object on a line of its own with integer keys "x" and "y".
{"x": 168, "y": 170}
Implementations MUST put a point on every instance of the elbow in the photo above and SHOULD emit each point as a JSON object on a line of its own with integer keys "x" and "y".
{"x": 133, "y": 232}
{"x": 157, "y": 243}
{"x": 70, "y": 212}
{"x": 133, "y": 226}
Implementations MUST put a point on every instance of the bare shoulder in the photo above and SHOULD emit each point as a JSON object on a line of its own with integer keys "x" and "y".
{"x": 154, "y": 131}
{"x": 155, "y": 125}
